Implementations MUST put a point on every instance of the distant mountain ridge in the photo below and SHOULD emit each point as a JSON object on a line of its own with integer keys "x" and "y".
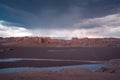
{"x": 48, "y": 42}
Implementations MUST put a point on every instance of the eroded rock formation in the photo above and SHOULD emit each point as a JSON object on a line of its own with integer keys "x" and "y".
{"x": 48, "y": 42}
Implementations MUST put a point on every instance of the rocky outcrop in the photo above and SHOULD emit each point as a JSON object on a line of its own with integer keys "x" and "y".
{"x": 48, "y": 42}
{"x": 113, "y": 67}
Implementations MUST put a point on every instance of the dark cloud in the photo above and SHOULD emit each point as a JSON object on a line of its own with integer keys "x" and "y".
{"x": 58, "y": 14}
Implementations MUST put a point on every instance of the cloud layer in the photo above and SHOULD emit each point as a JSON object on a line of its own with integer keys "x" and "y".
{"x": 108, "y": 26}
{"x": 60, "y": 18}
{"x": 12, "y": 31}
{"x": 57, "y": 14}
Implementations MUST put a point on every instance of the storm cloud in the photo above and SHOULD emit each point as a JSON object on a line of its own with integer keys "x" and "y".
{"x": 60, "y": 18}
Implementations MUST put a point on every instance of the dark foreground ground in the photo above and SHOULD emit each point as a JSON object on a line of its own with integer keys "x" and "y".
{"x": 111, "y": 72}
{"x": 62, "y": 53}
{"x": 71, "y": 53}
{"x": 65, "y": 53}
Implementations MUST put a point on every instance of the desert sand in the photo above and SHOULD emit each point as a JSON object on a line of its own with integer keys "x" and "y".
{"x": 111, "y": 72}
{"x": 103, "y": 50}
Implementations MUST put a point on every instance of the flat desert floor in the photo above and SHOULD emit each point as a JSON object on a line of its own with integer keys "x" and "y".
{"x": 47, "y": 57}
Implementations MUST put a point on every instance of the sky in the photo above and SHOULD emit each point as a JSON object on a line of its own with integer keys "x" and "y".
{"x": 60, "y": 18}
